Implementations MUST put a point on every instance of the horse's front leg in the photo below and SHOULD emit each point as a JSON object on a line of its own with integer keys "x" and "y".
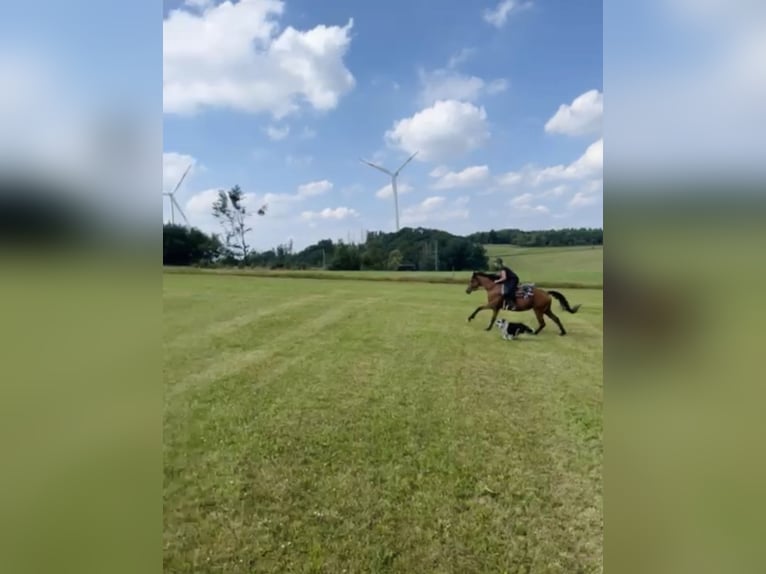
{"x": 540, "y": 321}
{"x": 495, "y": 311}
{"x": 472, "y": 315}
{"x": 480, "y": 308}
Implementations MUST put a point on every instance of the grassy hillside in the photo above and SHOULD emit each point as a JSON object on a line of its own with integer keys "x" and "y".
{"x": 541, "y": 264}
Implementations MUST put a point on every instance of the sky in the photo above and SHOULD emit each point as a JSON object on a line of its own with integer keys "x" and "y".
{"x": 502, "y": 101}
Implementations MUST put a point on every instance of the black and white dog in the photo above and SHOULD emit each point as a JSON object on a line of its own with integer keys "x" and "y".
{"x": 511, "y": 330}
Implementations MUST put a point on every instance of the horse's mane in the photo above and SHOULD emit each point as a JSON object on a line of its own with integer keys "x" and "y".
{"x": 492, "y": 276}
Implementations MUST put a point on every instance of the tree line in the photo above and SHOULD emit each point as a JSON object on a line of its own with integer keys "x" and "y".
{"x": 543, "y": 238}
{"x": 407, "y": 249}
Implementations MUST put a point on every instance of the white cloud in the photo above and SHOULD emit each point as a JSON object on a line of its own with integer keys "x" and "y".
{"x": 281, "y": 205}
{"x": 351, "y": 190}
{"x": 557, "y": 191}
{"x": 522, "y": 199}
{"x": 445, "y": 84}
{"x": 234, "y": 55}
{"x": 282, "y": 221}
{"x": 308, "y": 133}
{"x": 510, "y": 179}
{"x": 582, "y": 199}
{"x": 496, "y": 86}
{"x": 469, "y": 177}
{"x": 201, "y": 4}
{"x": 199, "y": 208}
{"x": 435, "y": 209}
{"x": 588, "y": 166}
{"x": 314, "y": 188}
{"x": 299, "y": 160}
{"x": 498, "y": 15}
{"x": 337, "y": 213}
{"x": 173, "y": 167}
{"x": 582, "y": 116}
{"x": 590, "y": 194}
{"x": 200, "y": 205}
{"x": 386, "y": 191}
{"x": 524, "y": 203}
{"x": 462, "y": 56}
{"x": 276, "y": 133}
{"x": 439, "y": 171}
{"x": 446, "y": 130}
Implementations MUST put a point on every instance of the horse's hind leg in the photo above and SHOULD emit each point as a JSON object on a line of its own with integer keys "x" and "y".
{"x": 540, "y": 320}
{"x": 556, "y": 320}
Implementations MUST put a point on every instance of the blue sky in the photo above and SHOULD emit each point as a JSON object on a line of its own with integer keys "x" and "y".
{"x": 283, "y": 98}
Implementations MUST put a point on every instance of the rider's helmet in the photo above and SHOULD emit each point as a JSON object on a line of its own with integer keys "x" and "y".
{"x": 498, "y": 262}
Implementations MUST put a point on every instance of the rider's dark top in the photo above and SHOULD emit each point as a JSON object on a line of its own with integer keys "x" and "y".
{"x": 509, "y": 275}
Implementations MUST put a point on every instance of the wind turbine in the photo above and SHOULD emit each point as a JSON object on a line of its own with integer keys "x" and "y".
{"x": 393, "y": 175}
{"x": 173, "y": 203}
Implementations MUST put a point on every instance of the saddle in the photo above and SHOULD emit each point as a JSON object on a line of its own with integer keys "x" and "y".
{"x": 525, "y": 290}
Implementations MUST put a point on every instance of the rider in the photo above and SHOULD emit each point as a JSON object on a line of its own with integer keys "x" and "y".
{"x": 510, "y": 281}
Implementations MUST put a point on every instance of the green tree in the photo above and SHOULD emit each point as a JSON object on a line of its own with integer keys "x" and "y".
{"x": 346, "y": 258}
{"x": 188, "y": 246}
{"x": 230, "y": 211}
{"x": 395, "y": 259}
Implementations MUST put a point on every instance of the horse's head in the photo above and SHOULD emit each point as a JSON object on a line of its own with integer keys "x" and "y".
{"x": 473, "y": 284}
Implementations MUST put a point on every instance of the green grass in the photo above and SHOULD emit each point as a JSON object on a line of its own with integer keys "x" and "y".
{"x": 341, "y": 426}
{"x": 582, "y": 264}
{"x": 552, "y": 267}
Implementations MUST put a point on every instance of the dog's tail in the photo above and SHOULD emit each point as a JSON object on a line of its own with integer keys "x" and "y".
{"x": 564, "y": 303}
{"x": 526, "y": 329}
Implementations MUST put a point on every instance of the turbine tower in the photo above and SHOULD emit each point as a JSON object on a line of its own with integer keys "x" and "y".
{"x": 393, "y": 175}
{"x": 173, "y": 203}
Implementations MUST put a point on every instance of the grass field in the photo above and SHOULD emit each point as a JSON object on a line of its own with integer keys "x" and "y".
{"x": 582, "y": 265}
{"x": 565, "y": 267}
{"x": 350, "y": 426}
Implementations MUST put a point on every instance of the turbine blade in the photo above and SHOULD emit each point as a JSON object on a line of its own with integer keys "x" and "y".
{"x": 383, "y": 169}
{"x": 178, "y": 207}
{"x": 180, "y": 181}
{"x": 409, "y": 159}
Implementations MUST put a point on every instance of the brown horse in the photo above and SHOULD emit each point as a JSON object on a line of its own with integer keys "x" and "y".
{"x": 540, "y": 300}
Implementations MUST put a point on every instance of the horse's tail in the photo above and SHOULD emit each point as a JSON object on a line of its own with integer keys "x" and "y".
{"x": 564, "y": 303}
